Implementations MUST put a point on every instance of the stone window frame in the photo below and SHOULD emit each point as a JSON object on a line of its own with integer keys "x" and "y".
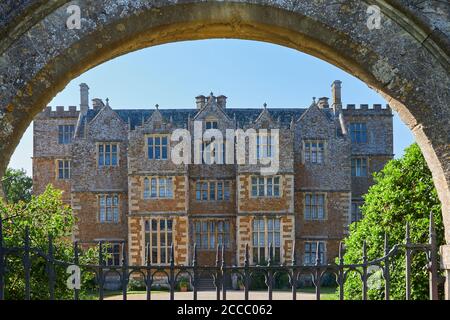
{"x": 211, "y": 233}
{"x": 112, "y": 207}
{"x": 324, "y": 151}
{"x": 266, "y": 196}
{"x": 356, "y": 129}
{"x": 104, "y": 144}
{"x": 325, "y": 205}
{"x": 157, "y": 135}
{"x": 168, "y": 235}
{"x": 66, "y": 135}
{"x": 158, "y": 179}
{"x": 355, "y": 167}
{"x": 313, "y": 244}
{"x": 57, "y": 169}
{"x": 277, "y": 254}
{"x": 216, "y": 190}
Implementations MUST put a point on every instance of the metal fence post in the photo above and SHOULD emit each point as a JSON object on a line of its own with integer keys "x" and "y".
{"x": 51, "y": 268}
{"x": 172, "y": 273}
{"x": 77, "y": 262}
{"x": 387, "y": 277}
{"x": 148, "y": 280}
{"x": 317, "y": 275}
{"x": 294, "y": 274}
{"x": 100, "y": 271}
{"x": 194, "y": 265}
{"x": 269, "y": 282}
{"x": 433, "y": 272}
{"x": 217, "y": 280}
{"x": 124, "y": 272}
{"x": 364, "y": 275}
{"x": 408, "y": 263}
{"x": 224, "y": 285}
{"x": 246, "y": 272}
{"x": 27, "y": 263}
{"x": 2, "y": 263}
{"x": 341, "y": 275}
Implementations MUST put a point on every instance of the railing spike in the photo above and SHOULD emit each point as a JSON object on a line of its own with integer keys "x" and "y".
{"x": 407, "y": 235}
{"x": 172, "y": 254}
{"x": 432, "y": 227}
{"x": 194, "y": 255}
{"x": 386, "y": 243}
{"x": 269, "y": 260}
{"x": 341, "y": 253}
{"x": 149, "y": 257}
{"x": 223, "y": 256}
{"x": 2, "y": 266}
{"x": 247, "y": 256}
{"x": 294, "y": 261}
{"x": 218, "y": 255}
{"x": 318, "y": 262}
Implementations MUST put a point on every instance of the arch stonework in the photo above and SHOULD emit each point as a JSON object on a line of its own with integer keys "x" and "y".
{"x": 407, "y": 59}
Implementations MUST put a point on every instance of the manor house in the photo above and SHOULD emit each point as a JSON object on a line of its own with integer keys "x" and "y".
{"x": 115, "y": 168}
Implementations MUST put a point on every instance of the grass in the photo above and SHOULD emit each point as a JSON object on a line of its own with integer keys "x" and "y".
{"x": 326, "y": 293}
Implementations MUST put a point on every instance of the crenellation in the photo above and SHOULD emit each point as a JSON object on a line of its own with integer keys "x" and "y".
{"x": 59, "y": 112}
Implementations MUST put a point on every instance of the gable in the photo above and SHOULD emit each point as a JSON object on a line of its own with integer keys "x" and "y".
{"x": 107, "y": 125}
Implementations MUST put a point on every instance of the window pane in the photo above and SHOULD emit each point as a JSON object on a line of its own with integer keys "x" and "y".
{"x": 212, "y": 191}
{"x": 227, "y": 190}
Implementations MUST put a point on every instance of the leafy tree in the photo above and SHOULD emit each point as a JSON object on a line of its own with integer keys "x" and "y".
{"x": 17, "y": 186}
{"x": 44, "y": 215}
{"x": 403, "y": 192}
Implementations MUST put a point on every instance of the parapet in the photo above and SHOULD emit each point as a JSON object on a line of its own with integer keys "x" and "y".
{"x": 365, "y": 109}
{"x": 59, "y": 112}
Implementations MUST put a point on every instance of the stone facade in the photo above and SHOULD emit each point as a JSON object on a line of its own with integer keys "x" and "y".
{"x": 125, "y": 186}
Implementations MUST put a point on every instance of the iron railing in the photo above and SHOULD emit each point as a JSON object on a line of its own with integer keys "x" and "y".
{"x": 222, "y": 271}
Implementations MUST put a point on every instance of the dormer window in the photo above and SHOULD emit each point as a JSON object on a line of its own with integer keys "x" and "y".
{"x": 157, "y": 147}
{"x": 211, "y": 124}
{"x": 314, "y": 151}
{"x": 265, "y": 146}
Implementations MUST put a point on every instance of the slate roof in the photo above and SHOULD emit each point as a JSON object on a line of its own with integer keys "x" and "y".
{"x": 180, "y": 116}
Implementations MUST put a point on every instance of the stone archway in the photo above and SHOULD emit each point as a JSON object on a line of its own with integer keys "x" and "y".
{"x": 407, "y": 59}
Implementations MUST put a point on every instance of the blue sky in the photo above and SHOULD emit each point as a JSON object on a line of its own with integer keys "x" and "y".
{"x": 249, "y": 73}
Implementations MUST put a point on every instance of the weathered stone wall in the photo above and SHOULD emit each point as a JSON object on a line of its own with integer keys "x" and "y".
{"x": 248, "y": 204}
{"x": 334, "y": 172}
{"x": 379, "y": 148}
{"x": 85, "y": 206}
{"x": 47, "y": 150}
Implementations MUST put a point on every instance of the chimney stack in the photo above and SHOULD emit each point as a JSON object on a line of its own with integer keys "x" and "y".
{"x": 323, "y": 102}
{"x": 200, "y": 101}
{"x": 97, "y": 104}
{"x": 84, "y": 98}
{"x": 337, "y": 96}
{"x": 222, "y": 101}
